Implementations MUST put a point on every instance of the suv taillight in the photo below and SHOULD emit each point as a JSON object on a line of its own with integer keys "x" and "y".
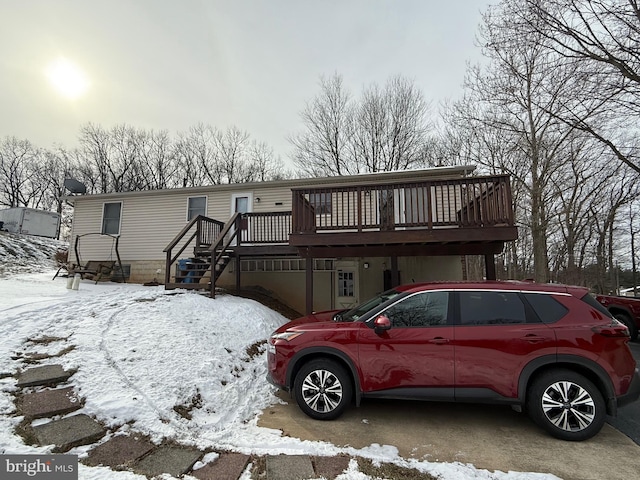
{"x": 614, "y": 329}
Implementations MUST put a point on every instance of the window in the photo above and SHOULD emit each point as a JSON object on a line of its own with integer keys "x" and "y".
{"x": 197, "y": 206}
{"x": 345, "y": 283}
{"x": 548, "y": 309}
{"x": 491, "y": 308}
{"x": 321, "y": 202}
{"x": 420, "y": 310}
{"x": 111, "y": 218}
{"x": 592, "y": 302}
{"x": 285, "y": 265}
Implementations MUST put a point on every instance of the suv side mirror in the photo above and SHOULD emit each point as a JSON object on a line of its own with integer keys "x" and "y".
{"x": 381, "y": 323}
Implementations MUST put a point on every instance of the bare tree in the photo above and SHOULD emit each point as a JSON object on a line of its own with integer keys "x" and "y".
{"x": 232, "y": 164}
{"x": 323, "y": 149}
{"x": 95, "y": 147}
{"x": 125, "y": 173}
{"x": 387, "y": 129}
{"x": 578, "y": 186}
{"x": 605, "y": 212}
{"x": 265, "y": 164}
{"x": 18, "y": 172}
{"x": 513, "y": 96}
{"x": 157, "y": 163}
{"x": 603, "y": 38}
{"x": 391, "y": 127}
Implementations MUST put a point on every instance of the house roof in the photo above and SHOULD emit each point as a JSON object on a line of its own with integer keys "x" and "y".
{"x": 418, "y": 174}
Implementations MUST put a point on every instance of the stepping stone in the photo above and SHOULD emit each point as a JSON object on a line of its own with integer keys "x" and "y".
{"x": 46, "y": 375}
{"x": 49, "y": 403}
{"x": 330, "y": 467}
{"x": 289, "y": 467}
{"x": 175, "y": 461}
{"x": 228, "y": 466}
{"x": 119, "y": 452}
{"x": 69, "y": 432}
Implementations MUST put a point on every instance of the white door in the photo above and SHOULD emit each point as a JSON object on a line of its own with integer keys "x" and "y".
{"x": 242, "y": 203}
{"x": 347, "y": 284}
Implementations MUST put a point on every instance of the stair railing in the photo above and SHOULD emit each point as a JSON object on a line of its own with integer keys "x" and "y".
{"x": 223, "y": 242}
{"x": 201, "y": 229}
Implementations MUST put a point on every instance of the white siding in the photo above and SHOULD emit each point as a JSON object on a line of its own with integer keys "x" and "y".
{"x": 152, "y": 219}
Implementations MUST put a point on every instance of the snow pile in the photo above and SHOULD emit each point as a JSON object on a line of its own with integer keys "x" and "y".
{"x": 27, "y": 254}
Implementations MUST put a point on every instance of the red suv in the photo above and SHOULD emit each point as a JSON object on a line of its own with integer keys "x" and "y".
{"x": 552, "y": 349}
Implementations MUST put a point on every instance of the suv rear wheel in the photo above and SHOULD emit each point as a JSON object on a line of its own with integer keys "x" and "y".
{"x": 323, "y": 389}
{"x": 567, "y": 405}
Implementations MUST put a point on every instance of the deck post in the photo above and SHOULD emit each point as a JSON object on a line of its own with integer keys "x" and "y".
{"x": 238, "y": 275}
{"x": 490, "y": 266}
{"x": 309, "y": 286}
{"x": 395, "y": 274}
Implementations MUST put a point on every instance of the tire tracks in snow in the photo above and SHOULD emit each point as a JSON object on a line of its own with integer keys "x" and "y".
{"x": 113, "y": 363}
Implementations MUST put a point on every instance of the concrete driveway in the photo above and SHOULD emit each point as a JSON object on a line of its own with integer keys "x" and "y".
{"x": 489, "y": 437}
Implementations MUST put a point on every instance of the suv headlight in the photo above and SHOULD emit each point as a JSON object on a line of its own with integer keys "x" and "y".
{"x": 286, "y": 336}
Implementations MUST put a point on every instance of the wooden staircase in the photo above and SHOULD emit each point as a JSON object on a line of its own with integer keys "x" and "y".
{"x": 213, "y": 249}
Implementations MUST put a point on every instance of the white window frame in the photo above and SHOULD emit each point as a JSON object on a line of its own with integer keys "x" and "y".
{"x": 206, "y": 205}
{"x": 102, "y": 224}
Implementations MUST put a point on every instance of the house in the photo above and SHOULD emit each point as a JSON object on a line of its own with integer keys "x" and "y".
{"x": 316, "y": 243}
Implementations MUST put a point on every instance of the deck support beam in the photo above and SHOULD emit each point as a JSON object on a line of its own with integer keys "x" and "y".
{"x": 490, "y": 266}
{"x": 237, "y": 274}
{"x": 395, "y": 274}
{"x": 309, "y": 285}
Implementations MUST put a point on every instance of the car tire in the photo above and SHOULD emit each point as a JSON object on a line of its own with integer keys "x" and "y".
{"x": 633, "y": 329}
{"x": 567, "y": 405}
{"x": 323, "y": 389}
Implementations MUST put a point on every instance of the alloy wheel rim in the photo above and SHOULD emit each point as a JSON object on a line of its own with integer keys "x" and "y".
{"x": 322, "y": 391}
{"x": 568, "y": 406}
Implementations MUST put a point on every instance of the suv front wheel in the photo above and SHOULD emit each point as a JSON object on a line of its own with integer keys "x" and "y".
{"x": 567, "y": 405}
{"x": 323, "y": 389}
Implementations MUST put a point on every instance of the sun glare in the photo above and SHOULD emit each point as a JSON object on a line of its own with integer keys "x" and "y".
{"x": 67, "y": 78}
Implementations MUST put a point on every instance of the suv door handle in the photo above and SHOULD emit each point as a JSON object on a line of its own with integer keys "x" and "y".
{"x": 532, "y": 338}
{"x": 439, "y": 340}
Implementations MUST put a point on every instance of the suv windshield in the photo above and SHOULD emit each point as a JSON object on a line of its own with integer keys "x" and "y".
{"x": 355, "y": 313}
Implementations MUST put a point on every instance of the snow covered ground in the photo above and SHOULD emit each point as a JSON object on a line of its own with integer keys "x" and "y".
{"x": 173, "y": 365}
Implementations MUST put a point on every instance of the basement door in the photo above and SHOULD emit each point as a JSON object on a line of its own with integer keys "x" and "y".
{"x": 347, "y": 284}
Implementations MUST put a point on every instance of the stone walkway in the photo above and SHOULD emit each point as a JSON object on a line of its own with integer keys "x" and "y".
{"x": 47, "y": 392}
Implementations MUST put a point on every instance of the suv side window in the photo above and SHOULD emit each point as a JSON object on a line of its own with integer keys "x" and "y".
{"x": 548, "y": 309}
{"x": 423, "y": 309}
{"x": 491, "y": 308}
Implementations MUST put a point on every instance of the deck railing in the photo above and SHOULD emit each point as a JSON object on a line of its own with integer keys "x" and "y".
{"x": 453, "y": 203}
{"x": 265, "y": 228}
{"x": 201, "y": 232}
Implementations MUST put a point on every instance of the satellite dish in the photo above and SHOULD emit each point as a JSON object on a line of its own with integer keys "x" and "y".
{"x": 74, "y": 186}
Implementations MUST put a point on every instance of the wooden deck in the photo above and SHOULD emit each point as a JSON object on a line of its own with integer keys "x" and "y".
{"x": 470, "y": 215}
{"x": 461, "y": 216}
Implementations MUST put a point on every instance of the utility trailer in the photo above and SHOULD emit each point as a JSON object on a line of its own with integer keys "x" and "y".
{"x": 30, "y": 221}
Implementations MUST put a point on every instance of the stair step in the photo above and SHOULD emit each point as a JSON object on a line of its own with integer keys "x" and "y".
{"x": 48, "y": 403}
{"x": 69, "y": 432}
{"x": 45, "y": 375}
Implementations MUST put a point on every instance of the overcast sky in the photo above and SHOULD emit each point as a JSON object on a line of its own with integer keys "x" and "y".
{"x": 163, "y": 64}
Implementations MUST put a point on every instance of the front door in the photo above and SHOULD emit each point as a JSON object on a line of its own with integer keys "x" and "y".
{"x": 416, "y": 353}
{"x": 346, "y": 284}
{"x": 242, "y": 203}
